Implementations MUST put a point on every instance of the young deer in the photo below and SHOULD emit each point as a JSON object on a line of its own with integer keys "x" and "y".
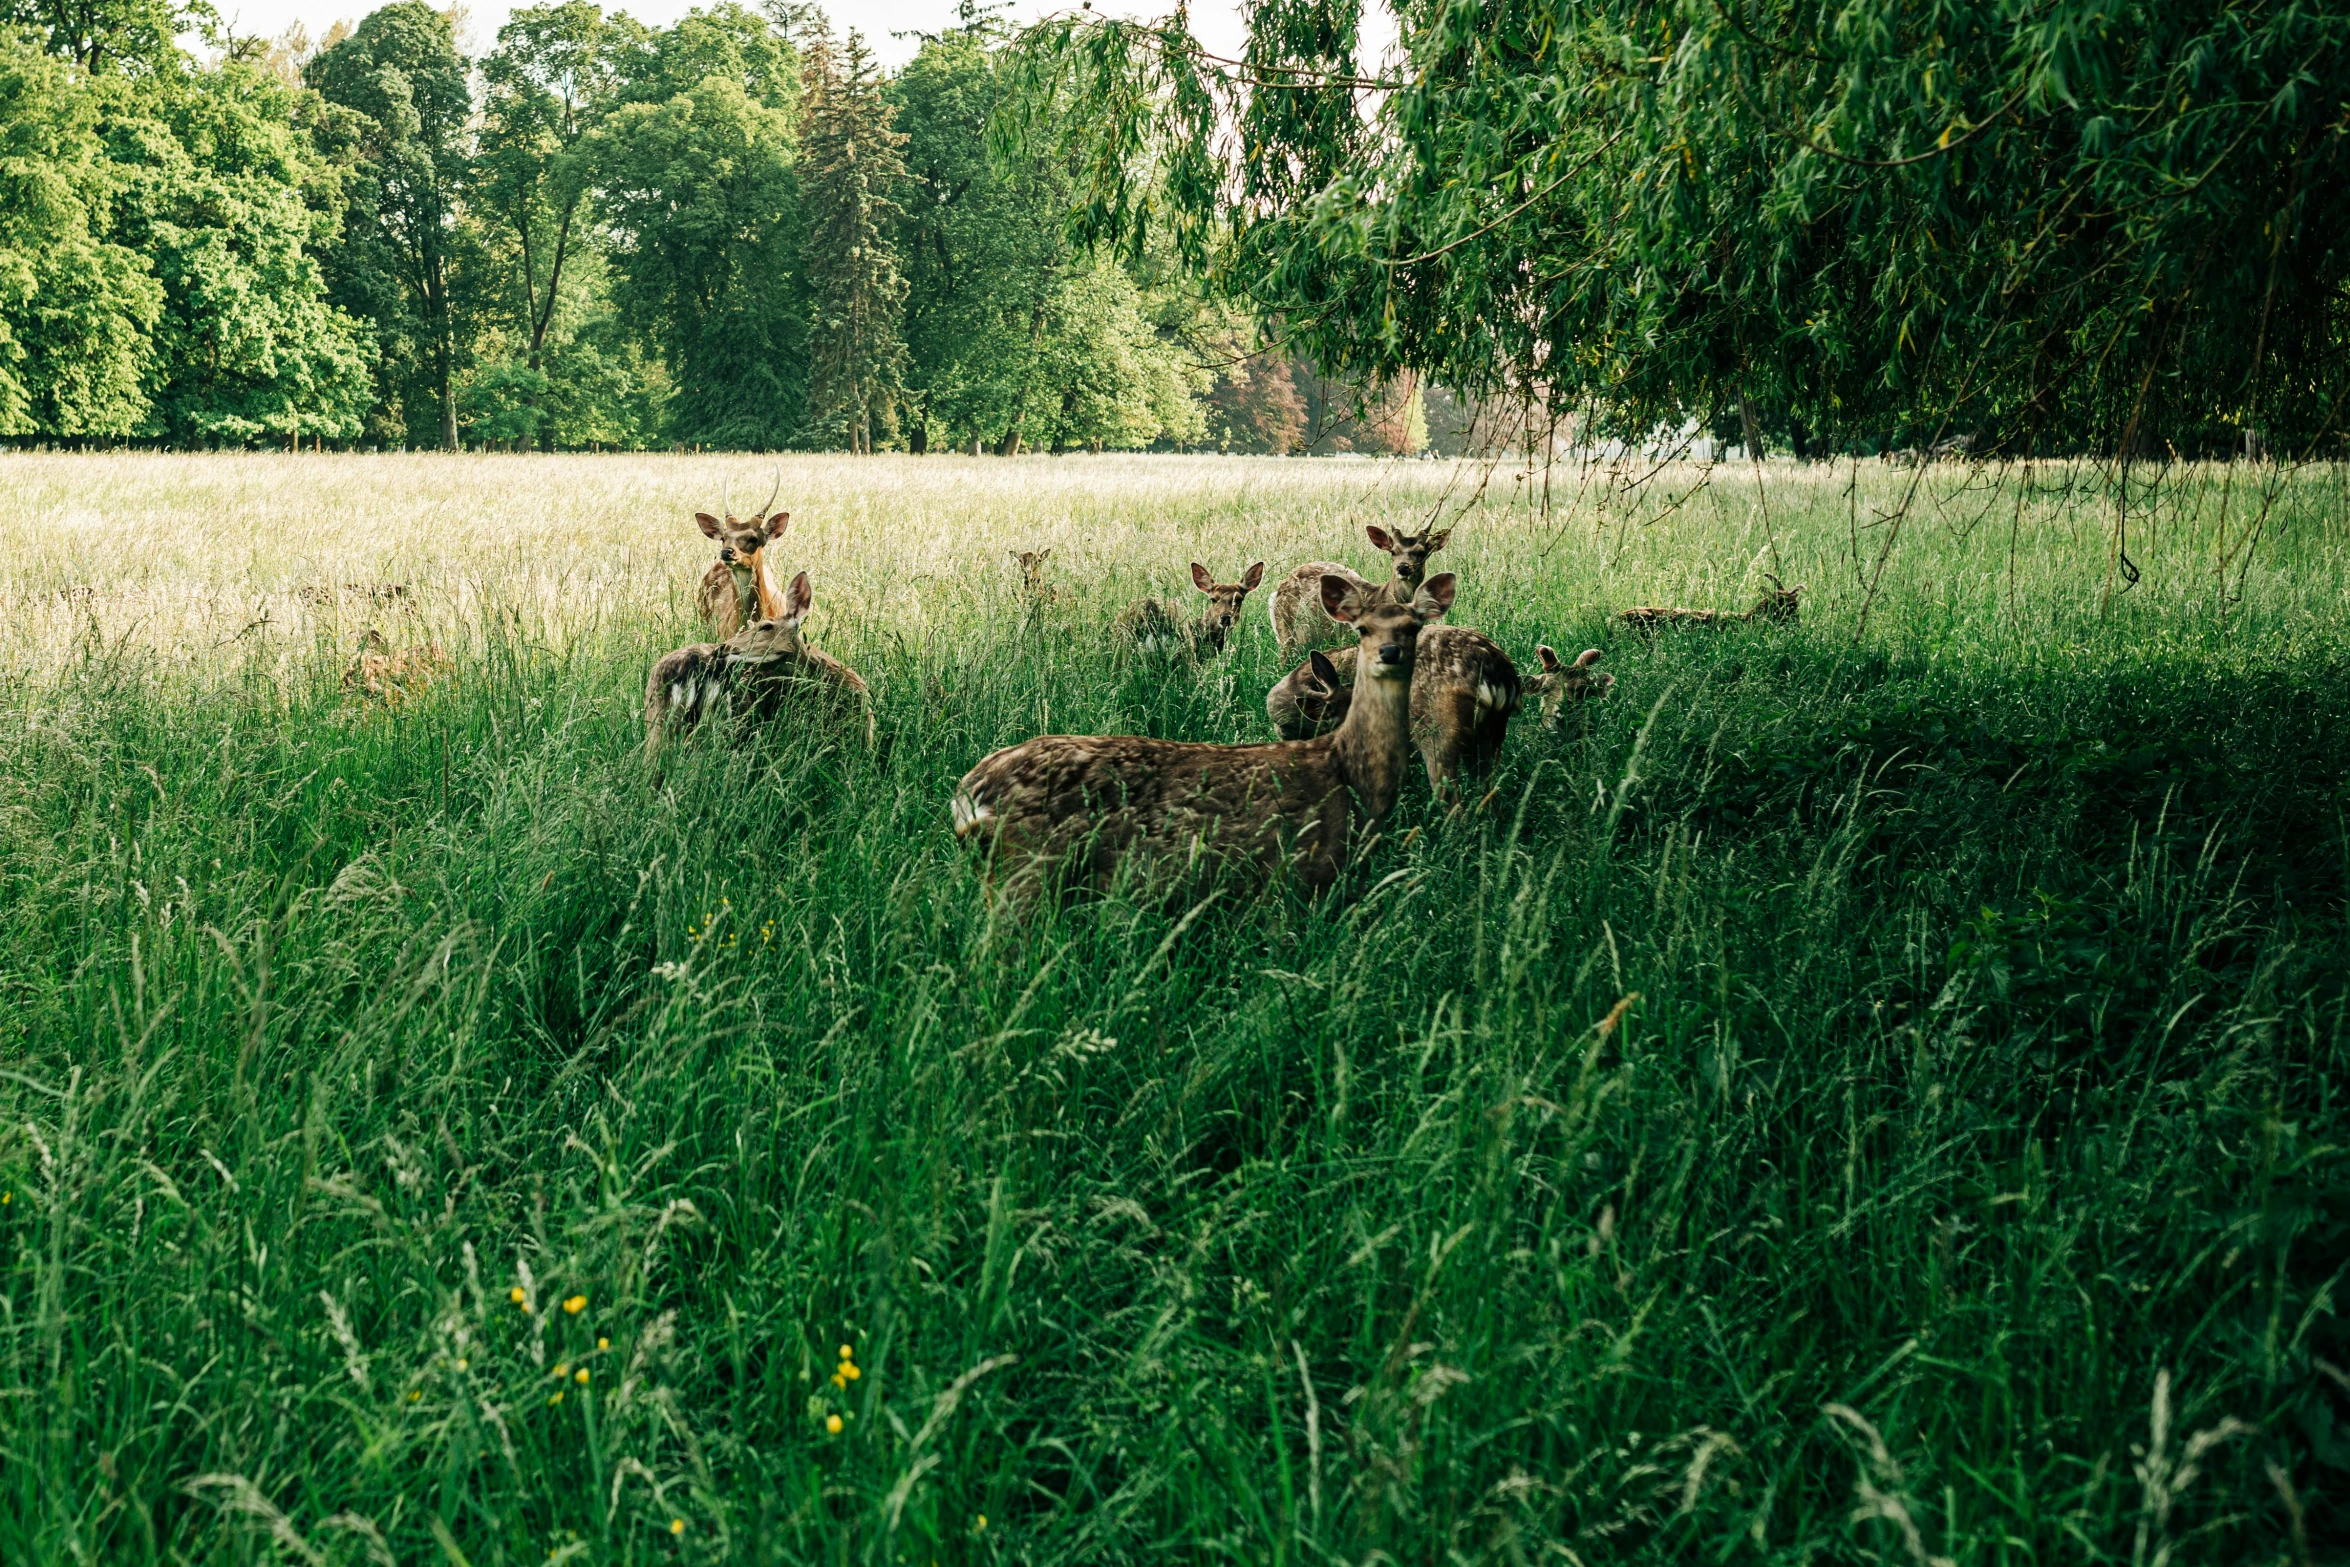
{"x": 1156, "y": 626}
{"x": 729, "y": 595}
{"x": 1083, "y": 802}
{"x": 1299, "y": 621}
{"x": 390, "y": 677}
{"x": 760, "y": 668}
{"x": 1778, "y": 605}
{"x": 1311, "y": 699}
{"x": 1463, "y": 698}
{"x": 1561, "y": 683}
{"x": 1035, "y": 592}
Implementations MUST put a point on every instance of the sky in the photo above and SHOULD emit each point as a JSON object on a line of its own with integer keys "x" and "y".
{"x": 1216, "y": 23}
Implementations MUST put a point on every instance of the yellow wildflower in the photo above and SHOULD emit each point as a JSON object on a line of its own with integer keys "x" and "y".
{"x": 980, "y": 1522}
{"x": 847, "y": 1353}
{"x": 515, "y": 1295}
{"x": 603, "y": 1343}
{"x": 562, "y": 1369}
{"x": 848, "y": 1368}
{"x": 677, "y": 1526}
{"x": 580, "y": 1376}
{"x": 575, "y": 1305}
{"x": 555, "y": 1399}
{"x": 832, "y": 1424}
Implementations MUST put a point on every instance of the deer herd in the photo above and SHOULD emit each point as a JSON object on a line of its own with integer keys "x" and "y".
{"x": 1378, "y": 674}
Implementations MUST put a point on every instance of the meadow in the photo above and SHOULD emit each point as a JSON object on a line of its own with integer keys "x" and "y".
{"x": 1864, "y": 1092}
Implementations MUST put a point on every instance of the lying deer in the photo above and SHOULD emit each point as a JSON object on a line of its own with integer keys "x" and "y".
{"x": 1311, "y": 699}
{"x": 1299, "y": 621}
{"x": 1080, "y": 803}
{"x": 1778, "y": 605}
{"x": 381, "y": 674}
{"x": 759, "y": 669}
{"x": 1155, "y": 626}
{"x": 729, "y": 598}
{"x": 1561, "y": 683}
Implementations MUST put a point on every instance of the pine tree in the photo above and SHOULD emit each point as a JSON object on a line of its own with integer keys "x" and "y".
{"x": 850, "y": 165}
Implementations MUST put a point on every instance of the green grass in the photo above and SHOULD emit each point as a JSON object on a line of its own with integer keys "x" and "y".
{"x": 1962, "y": 1163}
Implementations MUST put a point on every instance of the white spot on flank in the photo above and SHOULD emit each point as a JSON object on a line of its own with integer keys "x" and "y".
{"x": 969, "y": 813}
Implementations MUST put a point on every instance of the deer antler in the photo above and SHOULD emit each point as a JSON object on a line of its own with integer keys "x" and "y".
{"x": 771, "y": 494}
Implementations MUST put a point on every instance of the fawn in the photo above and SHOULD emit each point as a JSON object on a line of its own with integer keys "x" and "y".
{"x": 1778, "y": 605}
{"x": 729, "y": 595}
{"x": 1561, "y": 683}
{"x": 760, "y": 667}
{"x": 1155, "y": 626}
{"x": 1080, "y": 803}
{"x": 1035, "y": 592}
{"x": 389, "y": 677}
{"x": 1311, "y": 699}
{"x": 1299, "y": 621}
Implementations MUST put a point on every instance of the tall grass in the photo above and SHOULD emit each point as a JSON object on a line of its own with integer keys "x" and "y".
{"x": 1838, "y": 1100}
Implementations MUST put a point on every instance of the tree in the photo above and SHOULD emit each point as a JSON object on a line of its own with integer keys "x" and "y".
{"x": 1111, "y": 380}
{"x": 2050, "y": 224}
{"x": 400, "y": 70}
{"x": 216, "y": 183}
{"x": 705, "y": 235}
{"x": 547, "y": 84}
{"x": 75, "y": 305}
{"x": 103, "y": 35}
{"x": 853, "y": 167}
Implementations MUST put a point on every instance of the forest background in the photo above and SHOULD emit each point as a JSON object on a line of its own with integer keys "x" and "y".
{"x": 734, "y": 232}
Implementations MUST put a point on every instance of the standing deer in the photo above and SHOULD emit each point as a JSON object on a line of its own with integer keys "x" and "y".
{"x": 1778, "y": 605}
{"x": 760, "y": 668}
{"x": 1155, "y": 626}
{"x": 1081, "y": 803}
{"x": 1299, "y": 621}
{"x": 1463, "y": 697}
{"x": 1561, "y": 683}
{"x": 1035, "y": 592}
{"x": 729, "y": 595}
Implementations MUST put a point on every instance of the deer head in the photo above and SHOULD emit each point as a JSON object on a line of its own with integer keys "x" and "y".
{"x": 776, "y": 634}
{"x": 741, "y": 541}
{"x": 1410, "y": 552}
{"x": 1224, "y": 601}
{"x": 1779, "y": 601}
{"x": 1561, "y": 682}
{"x": 1390, "y": 633}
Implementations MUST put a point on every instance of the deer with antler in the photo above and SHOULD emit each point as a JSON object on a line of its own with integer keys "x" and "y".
{"x": 729, "y": 598}
{"x": 1299, "y": 621}
{"x": 1075, "y": 806}
{"x": 1779, "y": 605}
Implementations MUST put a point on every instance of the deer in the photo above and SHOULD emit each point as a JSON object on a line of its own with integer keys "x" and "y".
{"x": 729, "y": 597}
{"x": 378, "y": 672}
{"x": 1299, "y": 621}
{"x": 1561, "y": 683}
{"x": 1153, "y": 625}
{"x": 1074, "y": 806}
{"x": 1464, "y": 693}
{"x": 1310, "y": 700}
{"x": 759, "y": 669}
{"x": 1778, "y": 606}
{"x": 1036, "y": 593}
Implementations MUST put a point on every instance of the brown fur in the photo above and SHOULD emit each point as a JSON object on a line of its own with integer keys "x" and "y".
{"x": 1311, "y": 699}
{"x": 1299, "y": 621}
{"x": 759, "y": 670}
{"x": 1035, "y": 592}
{"x": 380, "y": 674}
{"x": 1464, "y": 692}
{"x": 1079, "y": 804}
{"x": 729, "y": 595}
{"x": 1156, "y": 626}
{"x": 1561, "y": 683}
{"x": 1779, "y": 605}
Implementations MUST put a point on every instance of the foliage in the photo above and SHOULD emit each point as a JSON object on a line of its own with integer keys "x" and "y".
{"x": 851, "y": 169}
{"x": 400, "y": 70}
{"x": 2046, "y": 227}
{"x": 75, "y": 306}
{"x": 705, "y": 218}
{"x": 1830, "y": 1092}
{"x": 217, "y": 196}
{"x": 103, "y": 36}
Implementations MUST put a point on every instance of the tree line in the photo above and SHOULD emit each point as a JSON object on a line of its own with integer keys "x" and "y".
{"x": 735, "y": 232}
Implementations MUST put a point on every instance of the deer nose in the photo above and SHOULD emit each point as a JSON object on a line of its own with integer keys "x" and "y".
{"x": 1390, "y": 654}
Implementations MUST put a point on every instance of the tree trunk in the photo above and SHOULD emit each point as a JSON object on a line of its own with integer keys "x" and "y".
{"x": 1749, "y": 427}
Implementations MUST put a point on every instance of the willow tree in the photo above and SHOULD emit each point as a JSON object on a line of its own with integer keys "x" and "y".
{"x": 2044, "y": 225}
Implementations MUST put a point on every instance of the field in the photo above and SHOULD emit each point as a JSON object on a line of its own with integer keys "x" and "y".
{"x": 1861, "y": 1093}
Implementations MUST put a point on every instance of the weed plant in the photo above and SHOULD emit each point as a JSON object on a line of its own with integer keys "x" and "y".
{"x": 1843, "y": 1098}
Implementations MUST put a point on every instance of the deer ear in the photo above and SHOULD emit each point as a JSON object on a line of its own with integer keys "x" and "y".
{"x": 1256, "y": 574}
{"x": 798, "y": 598}
{"x": 1435, "y": 596}
{"x": 1338, "y": 597}
{"x": 1043, "y": 555}
{"x": 1324, "y": 670}
{"x": 1435, "y": 541}
{"x": 777, "y": 523}
{"x": 1200, "y": 578}
{"x": 1587, "y": 658}
{"x": 1549, "y": 656}
{"x": 1379, "y": 538}
{"x": 709, "y": 524}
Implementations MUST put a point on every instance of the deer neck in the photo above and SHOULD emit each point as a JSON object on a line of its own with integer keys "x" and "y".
{"x": 1374, "y": 743}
